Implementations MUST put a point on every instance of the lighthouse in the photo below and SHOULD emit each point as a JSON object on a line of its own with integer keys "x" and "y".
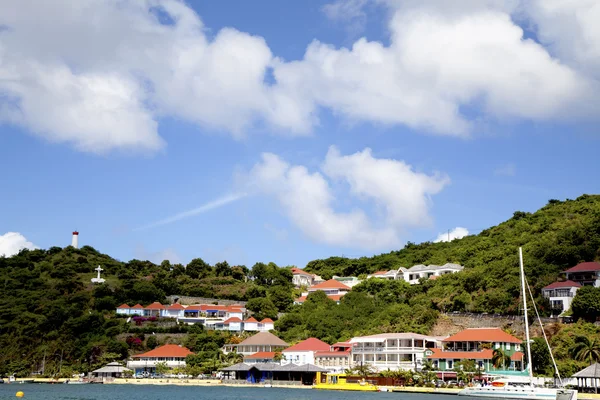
{"x": 75, "y": 240}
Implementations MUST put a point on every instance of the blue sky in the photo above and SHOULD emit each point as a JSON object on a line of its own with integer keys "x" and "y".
{"x": 96, "y": 137}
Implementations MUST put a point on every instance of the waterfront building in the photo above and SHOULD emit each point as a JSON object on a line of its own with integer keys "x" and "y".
{"x": 260, "y": 357}
{"x": 586, "y": 274}
{"x": 304, "y": 352}
{"x": 336, "y": 359}
{"x": 171, "y": 354}
{"x": 262, "y": 341}
{"x": 560, "y": 295}
{"x": 394, "y": 351}
{"x": 111, "y": 370}
{"x": 477, "y": 344}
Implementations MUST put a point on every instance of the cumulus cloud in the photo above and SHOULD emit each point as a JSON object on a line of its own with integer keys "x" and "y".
{"x": 101, "y": 74}
{"x": 456, "y": 233}
{"x": 400, "y": 195}
{"x": 13, "y": 242}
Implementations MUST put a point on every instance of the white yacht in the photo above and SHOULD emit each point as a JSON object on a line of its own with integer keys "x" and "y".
{"x": 520, "y": 387}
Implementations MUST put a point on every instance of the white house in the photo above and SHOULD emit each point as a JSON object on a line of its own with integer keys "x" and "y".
{"x": 391, "y": 275}
{"x": 302, "y": 278}
{"x": 304, "y": 352}
{"x": 266, "y": 324}
{"x": 349, "y": 281}
{"x": 251, "y": 324}
{"x": 394, "y": 351}
{"x": 171, "y": 354}
{"x": 174, "y": 311}
{"x": 138, "y": 309}
{"x": 560, "y": 295}
{"x": 233, "y": 324}
{"x": 330, "y": 287}
{"x": 413, "y": 274}
{"x": 337, "y": 359}
{"x": 261, "y": 342}
{"x": 123, "y": 309}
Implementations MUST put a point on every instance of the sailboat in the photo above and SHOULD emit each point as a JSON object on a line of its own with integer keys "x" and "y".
{"x": 515, "y": 388}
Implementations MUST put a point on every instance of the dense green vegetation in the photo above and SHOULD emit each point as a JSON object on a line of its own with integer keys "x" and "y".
{"x": 53, "y": 319}
{"x": 556, "y": 237}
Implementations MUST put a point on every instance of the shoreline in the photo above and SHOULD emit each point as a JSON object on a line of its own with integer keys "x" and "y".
{"x": 221, "y": 383}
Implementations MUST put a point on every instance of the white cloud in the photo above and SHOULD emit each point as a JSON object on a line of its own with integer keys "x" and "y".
{"x": 509, "y": 169}
{"x": 100, "y": 74}
{"x": 308, "y": 199}
{"x": 456, "y": 233}
{"x": 13, "y": 242}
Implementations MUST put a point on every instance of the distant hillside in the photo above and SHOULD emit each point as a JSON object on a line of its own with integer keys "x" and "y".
{"x": 556, "y": 237}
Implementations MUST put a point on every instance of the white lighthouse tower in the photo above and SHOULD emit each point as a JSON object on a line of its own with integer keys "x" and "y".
{"x": 75, "y": 240}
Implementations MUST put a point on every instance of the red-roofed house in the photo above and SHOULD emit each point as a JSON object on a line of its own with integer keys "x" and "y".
{"x": 251, "y": 325}
{"x": 138, "y": 309}
{"x": 172, "y": 354}
{"x": 266, "y": 324}
{"x": 477, "y": 344}
{"x": 233, "y": 324}
{"x": 123, "y": 309}
{"x": 586, "y": 274}
{"x": 260, "y": 357}
{"x": 560, "y": 295}
{"x": 331, "y": 286}
{"x": 337, "y": 359}
{"x": 174, "y": 311}
{"x": 154, "y": 310}
{"x": 304, "y": 352}
{"x": 302, "y": 278}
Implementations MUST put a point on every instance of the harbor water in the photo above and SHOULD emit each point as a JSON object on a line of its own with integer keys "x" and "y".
{"x": 156, "y": 392}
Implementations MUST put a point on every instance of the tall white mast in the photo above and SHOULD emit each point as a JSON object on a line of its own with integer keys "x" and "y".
{"x": 530, "y": 366}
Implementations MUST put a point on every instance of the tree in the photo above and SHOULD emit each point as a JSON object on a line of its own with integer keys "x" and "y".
{"x": 262, "y": 308}
{"x": 541, "y": 356}
{"x": 362, "y": 370}
{"x": 586, "y": 349}
{"x": 161, "y": 368}
{"x": 281, "y": 297}
{"x": 151, "y": 342}
{"x": 197, "y": 268}
{"x": 586, "y": 304}
{"x": 500, "y": 359}
{"x": 222, "y": 269}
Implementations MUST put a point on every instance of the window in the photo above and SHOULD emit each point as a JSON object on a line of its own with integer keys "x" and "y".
{"x": 496, "y": 345}
{"x": 450, "y": 364}
{"x": 507, "y": 346}
{"x": 435, "y": 364}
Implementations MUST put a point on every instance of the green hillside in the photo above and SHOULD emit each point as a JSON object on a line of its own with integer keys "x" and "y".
{"x": 556, "y": 237}
{"x": 51, "y": 316}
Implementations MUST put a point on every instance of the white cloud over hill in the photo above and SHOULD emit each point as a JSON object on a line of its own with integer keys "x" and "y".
{"x": 13, "y": 242}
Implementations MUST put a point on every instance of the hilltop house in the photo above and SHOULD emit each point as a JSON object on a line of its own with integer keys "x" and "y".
{"x": 586, "y": 274}
{"x": 332, "y": 288}
{"x": 261, "y": 342}
{"x": 477, "y": 344}
{"x": 171, "y": 354}
{"x": 413, "y": 274}
{"x": 304, "y": 352}
{"x": 391, "y": 275}
{"x": 303, "y": 278}
{"x": 336, "y": 359}
{"x": 394, "y": 351}
{"x": 349, "y": 281}
{"x": 560, "y": 295}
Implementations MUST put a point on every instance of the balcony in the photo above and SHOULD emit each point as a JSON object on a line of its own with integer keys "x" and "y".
{"x": 363, "y": 350}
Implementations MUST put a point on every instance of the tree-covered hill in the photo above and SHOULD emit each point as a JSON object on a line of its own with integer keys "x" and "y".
{"x": 556, "y": 237}
{"x": 53, "y": 318}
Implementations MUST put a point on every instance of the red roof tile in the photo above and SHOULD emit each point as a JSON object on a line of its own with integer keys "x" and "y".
{"x": 517, "y": 356}
{"x": 562, "y": 284}
{"x": 342, "y": 344}
{"x": 380, "y": 273}
{"x": 176, "y": 306}
{"x": 262, "y": 354}
{"x": 266, "y": 321}
{"x": 232, "y": 320}
{"x": 334, "y": 297}
{"x": 301, "y": 299}
{"x": 251, "y": 319}
{"x": 138, "y": 306}
{"x": 332, "y": 353}
{"x": 168, "y": 350}
{"x": 123, "y": 306}
{"x": 330, "y": 284}
{"x": 310, "y": 344}
{"x": 483, "y": 335}
{"x": 585, "y": 267}
{"x": 155, "y": 306}
{"x": 298, "y": 271}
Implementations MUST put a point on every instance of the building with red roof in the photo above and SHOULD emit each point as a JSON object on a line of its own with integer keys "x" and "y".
{"x": 304, "y": 352}
{"x": 560, "y": 295}
{"x": 477, "y": 344}
{"x": 586, "y": 274}
{"x": 171, "y": 354}
{"x": 123, "y": 309}
{"x": 260, "y": 357}
{"x": 333, "y": 288}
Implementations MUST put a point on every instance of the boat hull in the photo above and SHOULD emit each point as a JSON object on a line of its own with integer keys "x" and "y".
{"x": 355, "y": 387}
{"x": 492, "y": 392}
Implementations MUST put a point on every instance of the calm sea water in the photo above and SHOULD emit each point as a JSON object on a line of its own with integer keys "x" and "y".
{"x": 150, "y": 392}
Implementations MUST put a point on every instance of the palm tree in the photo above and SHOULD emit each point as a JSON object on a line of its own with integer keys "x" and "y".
{"x": 363, "y": 370}
{"x": 500, "y": 358}
{"x": 234, "y": 357}
{"x": 586, "y": 349}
